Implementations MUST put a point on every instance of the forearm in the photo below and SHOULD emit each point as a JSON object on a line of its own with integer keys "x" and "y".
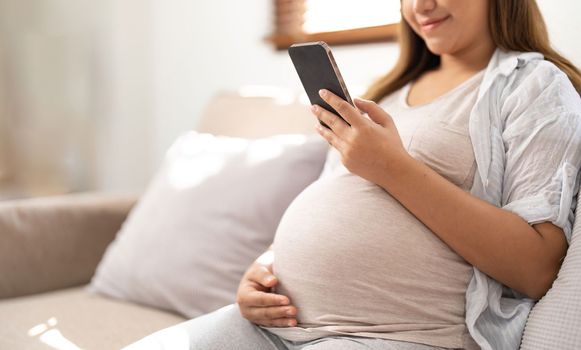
{"x": 499, "y": 243}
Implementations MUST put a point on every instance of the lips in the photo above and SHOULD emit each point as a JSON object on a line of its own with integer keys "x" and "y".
{"x": 432, "y": 23}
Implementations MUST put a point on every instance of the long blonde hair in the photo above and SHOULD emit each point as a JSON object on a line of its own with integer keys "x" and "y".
{"x": 515, "y": 25}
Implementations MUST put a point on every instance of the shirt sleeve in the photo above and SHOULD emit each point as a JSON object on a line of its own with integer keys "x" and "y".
{"x": 542, "y": 140}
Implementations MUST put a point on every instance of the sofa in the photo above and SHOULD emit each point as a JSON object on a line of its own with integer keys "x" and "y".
{"x": 50, "y": 248}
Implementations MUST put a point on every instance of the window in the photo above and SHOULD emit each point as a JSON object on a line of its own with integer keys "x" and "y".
{"x": 335, "y": 21}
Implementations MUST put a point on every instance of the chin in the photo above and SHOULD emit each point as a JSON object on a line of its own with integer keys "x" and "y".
{"x": 437, "y": 47}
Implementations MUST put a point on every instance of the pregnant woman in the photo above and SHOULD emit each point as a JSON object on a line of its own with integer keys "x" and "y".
{"x": 444, "y": 209}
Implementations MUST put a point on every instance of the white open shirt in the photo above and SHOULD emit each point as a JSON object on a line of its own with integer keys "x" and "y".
{"x": 525, "y": 129}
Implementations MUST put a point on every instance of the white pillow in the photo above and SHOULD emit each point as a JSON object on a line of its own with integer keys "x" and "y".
{"x": 210, "y": 211}
{"x": 555, "y": 321}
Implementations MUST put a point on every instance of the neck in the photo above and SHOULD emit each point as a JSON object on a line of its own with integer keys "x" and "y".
{"x": 471, "y": 59}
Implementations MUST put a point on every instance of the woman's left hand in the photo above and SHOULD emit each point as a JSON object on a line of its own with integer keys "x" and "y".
{"x": 370, "y": 147}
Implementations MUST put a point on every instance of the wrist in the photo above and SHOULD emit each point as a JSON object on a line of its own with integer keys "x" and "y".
{"x": 397, "y": 168}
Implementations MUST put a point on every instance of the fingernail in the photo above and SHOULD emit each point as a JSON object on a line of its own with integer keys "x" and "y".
{"x": 291, "y": 323}
{"x": 269, "y": 279}
{"x": 290, "y": 312}
{"x": 314, "y": 109}
{"x": 283, "y": 301}
{"x": 322, "y": 92}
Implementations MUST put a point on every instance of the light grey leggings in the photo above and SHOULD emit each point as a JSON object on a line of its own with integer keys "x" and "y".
{"x": 226, "y": 329}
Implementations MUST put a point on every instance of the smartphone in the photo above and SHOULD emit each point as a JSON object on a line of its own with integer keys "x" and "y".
{"x": 317, "y": 70}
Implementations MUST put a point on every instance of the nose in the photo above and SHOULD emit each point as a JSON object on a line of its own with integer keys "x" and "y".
{"x": 423, "y": 6}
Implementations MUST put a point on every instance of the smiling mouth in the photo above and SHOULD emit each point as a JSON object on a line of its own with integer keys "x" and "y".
{"x": 433, "y": 24}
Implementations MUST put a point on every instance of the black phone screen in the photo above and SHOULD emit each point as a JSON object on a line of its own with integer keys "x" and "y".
{"x": 317, "y": 70}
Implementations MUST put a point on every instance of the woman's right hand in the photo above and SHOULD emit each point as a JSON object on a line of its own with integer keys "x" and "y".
{"x": 257, "y": 304}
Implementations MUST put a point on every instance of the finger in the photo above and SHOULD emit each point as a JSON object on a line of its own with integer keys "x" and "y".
{"x": 279, "y": 322}
{"x": 331, "y": 138}
{"x": 258, "y": 298}
{"x": 272, "y": 312}
{"x": 333, "y": 121}
{"x": 262, "y": 275}
{"x": 345, "y": 110}
{"x": 375, "y": 113}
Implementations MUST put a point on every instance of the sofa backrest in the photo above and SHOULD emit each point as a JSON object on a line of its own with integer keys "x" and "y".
{"x": 233, "y": 114}
{"x": 555, "y": 321}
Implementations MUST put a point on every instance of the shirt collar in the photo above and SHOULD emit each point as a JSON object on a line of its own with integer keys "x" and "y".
{"x": 504, "y": 63}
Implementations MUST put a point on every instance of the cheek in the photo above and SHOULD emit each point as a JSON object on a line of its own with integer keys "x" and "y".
{"x": 470, "y": 28}
{"x": 472, "y": 18}
{"x": 408, "y": 16}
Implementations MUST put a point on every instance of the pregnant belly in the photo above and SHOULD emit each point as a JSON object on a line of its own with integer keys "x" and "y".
{"x": 346, "y": 252}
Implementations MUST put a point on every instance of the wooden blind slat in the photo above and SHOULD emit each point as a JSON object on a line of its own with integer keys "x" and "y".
{"x": 289, "y": 20}
{"x": 289, "y": 16}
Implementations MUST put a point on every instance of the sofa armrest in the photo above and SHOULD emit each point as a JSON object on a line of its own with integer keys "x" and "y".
{"x": 56, "y": 242}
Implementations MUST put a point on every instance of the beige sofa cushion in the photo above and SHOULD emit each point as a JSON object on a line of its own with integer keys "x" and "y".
{"x": 86, "y": 320}
{"x": 209, "y": 212}
{"x": 51, "y": 243}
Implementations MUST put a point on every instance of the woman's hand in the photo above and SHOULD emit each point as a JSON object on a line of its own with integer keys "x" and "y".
{"x": 370, "y": 147}
{"x": 257, "y": 304}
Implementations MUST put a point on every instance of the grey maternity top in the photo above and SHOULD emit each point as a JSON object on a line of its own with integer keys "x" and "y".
{"x": 354, "y": 261}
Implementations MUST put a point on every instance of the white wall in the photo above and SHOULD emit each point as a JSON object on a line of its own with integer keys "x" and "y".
{"x": 47, "y": 95}
{"x": 125, "y": 107}
{"x": 200, "y": 50}
{"x": 562, "y": 18}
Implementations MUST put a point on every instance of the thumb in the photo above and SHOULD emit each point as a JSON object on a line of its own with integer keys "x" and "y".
{"x": 267, "y": 278}
{"x": 375, "y": 113}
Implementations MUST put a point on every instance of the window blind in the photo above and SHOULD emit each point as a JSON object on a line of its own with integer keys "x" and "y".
{"x": 337, "y": 22}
